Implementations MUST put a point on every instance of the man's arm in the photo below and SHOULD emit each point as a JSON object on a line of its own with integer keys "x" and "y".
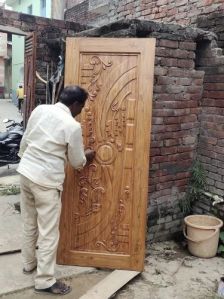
{"x": 76, "y": 154}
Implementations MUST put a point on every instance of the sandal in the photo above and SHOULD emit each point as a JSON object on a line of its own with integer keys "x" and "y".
{"x": 58, "y": 288}
{"x": 27, "y": 272}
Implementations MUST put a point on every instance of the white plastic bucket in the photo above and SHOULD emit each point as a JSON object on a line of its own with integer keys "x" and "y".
{"x": 202, "y": 234}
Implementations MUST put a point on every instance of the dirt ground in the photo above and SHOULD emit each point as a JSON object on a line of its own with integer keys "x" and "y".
{"x": 170, "y": 273}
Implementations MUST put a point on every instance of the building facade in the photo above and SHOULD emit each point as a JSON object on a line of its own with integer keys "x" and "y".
{"x": 33, "y": 7}
{"x": 3, "y": 57}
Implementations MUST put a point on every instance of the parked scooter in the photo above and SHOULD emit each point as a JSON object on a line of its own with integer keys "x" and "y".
{"x": 10, "y": 142}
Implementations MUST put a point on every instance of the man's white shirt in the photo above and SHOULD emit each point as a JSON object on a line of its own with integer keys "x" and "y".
{"x": 51, "y": 138}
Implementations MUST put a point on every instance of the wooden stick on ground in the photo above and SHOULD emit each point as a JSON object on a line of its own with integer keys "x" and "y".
{"x": 110, "y": 285}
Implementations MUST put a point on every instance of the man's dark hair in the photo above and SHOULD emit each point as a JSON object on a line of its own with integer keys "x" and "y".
{"x": 72, "y": 94}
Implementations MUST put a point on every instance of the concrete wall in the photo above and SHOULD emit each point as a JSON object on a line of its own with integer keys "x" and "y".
{"x": 3, "y": 55}
{"x": 17, "y": 62}
{"x": 2, "y": 72}
{"x": 23, "y": 6}
{"x": 8, "y": 73}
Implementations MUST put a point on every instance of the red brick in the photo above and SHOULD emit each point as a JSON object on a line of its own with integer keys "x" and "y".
{"x": 156, "y": 144}
{"x": 182, "y": 182}
{"x": 159, "y": 159}
{"x": 213, "y": 102}
{"x": 214, "y": 78}
{"x": 154, "y": 152}
{"x": 194, "y": 89}
{"x": 208, "y": 140}
{"x": 189, "y": 148}
{"x": 161, "y": 193}
{"x": 168, "y": 150}
{"x": 158, "y": 128}
{"x": 160, "y": 71}
{"x": 214, "y": 86}
{"x": 165, "y": 185}
{"x": 186, "y": 63}
{"x": 177, "y": 72}
{"x": 157, "y": 120}
{"x": 173, "y": 127}
{"x": 187, "y": 46}
{"x": 169, "y": 61}
{"x": 168, "y": 43}
{"x": 172, "y": 120}
{"x": 161, "y": 2}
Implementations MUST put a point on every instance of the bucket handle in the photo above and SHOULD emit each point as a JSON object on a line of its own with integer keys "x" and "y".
{"x": 198, "y": 241}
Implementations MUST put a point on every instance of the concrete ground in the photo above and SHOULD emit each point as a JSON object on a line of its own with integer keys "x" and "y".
{"x": 170, "y": 271}
{"x": 8, "y": 110}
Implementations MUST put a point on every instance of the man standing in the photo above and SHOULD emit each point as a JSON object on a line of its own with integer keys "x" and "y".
{"x": 51, "y": 138}
{"x": 20, "y": 96}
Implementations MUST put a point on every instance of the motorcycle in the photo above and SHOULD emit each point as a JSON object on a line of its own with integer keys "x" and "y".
{"x": 10, "y": 142}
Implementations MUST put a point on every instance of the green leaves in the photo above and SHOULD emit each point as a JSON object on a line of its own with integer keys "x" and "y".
{"x": 220, "y": 250}
{"x": 9, "y": 190}
{"x": 222, "y": 237}
{"x": 197, "y": 183}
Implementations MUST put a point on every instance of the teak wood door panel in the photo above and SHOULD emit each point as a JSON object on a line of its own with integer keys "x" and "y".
{"x": 103, "y": 222}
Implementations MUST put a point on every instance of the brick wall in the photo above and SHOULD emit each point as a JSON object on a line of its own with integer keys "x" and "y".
{"x": 72, "y": 3}
{"x": 83, "y": 14}
{"x": 79, "y": 13}
{"x": 46, "y": 29}
{"x": 178, "y": 89}
{"x": 183, "y": 12}
{"x": 211, "y": 139}
{"x": 215, "y": 23}
{"x": 208, "y": 15}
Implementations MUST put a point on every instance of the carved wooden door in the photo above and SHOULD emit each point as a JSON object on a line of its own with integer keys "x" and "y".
{"x": 103, "y": 220}
{"x": 29, "y": 75}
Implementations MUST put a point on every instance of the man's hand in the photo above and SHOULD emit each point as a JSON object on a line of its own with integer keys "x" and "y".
{"x": 90, "y": 154}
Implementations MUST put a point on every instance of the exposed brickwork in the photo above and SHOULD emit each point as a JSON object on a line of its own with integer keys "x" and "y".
{"x": 208, "y": 15}
{"x": 82, "y": 14}
{"x": 204, "y": 206}
{"x": 183, "y": 12}
{"x": 78, "y": 12}
{"x": 177, "y": 95}
{"x": 72, "y": 3}
{"x": 214, "y": 22}
{"x": 211, "y": 140}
